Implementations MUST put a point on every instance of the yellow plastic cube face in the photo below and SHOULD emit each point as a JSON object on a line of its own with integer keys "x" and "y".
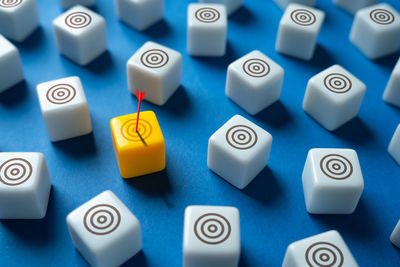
{"x": 138, "y": 153}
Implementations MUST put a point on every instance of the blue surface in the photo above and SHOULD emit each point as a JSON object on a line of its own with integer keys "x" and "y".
{"x": 272, "y": 207}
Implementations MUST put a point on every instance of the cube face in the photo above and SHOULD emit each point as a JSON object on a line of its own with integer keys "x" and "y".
{"x": 18, "y": 18}
{"x": 326, "y": 249}
{"x": 206, "y": 30}
{"x": 395, "y": 236}
{"x": 392, "y": 91}
{"x": 353, "y": 6}
{"x": 80, "y": 34}
{"x": 238, "y": 151}
{"x": 140, "y": 14}
{"x": 10, "y": 65}
{"x": 332, "y": 181}
{"x": 155, "y": 69}
{"x": 142, "y": 152}
{"x": 254, "y": 82}
{"x": 24, "y": 185}
{"x": 298, "y": 31}
{"x": 376, "y": 31}
{"x": 394, "y": 146}
{"x": 284, "y": 3}
{"x": 70, "y": 3}
{"x": 105, "y": 231}
{"x": 64, "y": 108}
{"x": 231, "y": 5}
{"x": 333, "y": 97}
{"x": 211, "y": 236}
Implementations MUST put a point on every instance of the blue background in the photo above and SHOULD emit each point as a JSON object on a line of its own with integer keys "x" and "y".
{"x": 272, "y": 208}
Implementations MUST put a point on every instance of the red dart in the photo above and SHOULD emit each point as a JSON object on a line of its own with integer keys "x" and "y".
{"x": 140, "y": 96}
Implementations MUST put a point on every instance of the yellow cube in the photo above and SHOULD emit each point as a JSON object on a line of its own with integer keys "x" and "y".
{"x": 138, "y": 153}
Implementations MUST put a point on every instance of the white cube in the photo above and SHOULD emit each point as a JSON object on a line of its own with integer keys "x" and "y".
{"x": 80, "y": 34}
{"x": 155, "y": 69}
{"x": 18, "y": 18}
{"x": 395, "y": 236}
{"x": 394, "y": 146}
{"x": 206, "y": 30}
{"x": 254, "y": 82}
{"x": 24, "y": 185}
{"x": 105, "y": 231}
{"x": 140, "y": 14}
{"x": 64, "y": 108}
{"x": 238, "y": 151}
{"x": 352, "y": 6}
{"x": 231, "y": 5}
{"x": 284, "y": 3}
{"x": 10, "y": 65}
{"x": 326, "y": 249}
{"x": 298, "y": 31}
{"x": 211, "y": 236}
{"x": 392, "y": 91}
{"x": 332, "y": 181}
{"x": 70, "y": 3}
{"x": 376, "y": 31}
{"x": 333, "y": 97}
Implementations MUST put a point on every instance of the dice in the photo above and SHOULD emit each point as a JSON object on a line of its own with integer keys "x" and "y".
{"x": 138, "y": 152}
{"x": 105, "y": 231}
{"x": 376, "y": 31}
{"x": 354, "y": 5}
{"x": 238, "y": 151}
{"x": 10, "y": 64}
{"x": 211, "y": 236}
{"x": 333, "y": 97}
{"x": 24, "y": 185}
{"x": 140, "y": 14}
{"x": 395, "y": 236}
{"x": 254, "y": 82}
{"x": 284, "y": 3}
{"x": 325, "y": 249}
{"x": 155, "y": 69}
{"x": 394, "y": 146}
{"x": 231, "y": 5}
{"x": 80, "y": 35}
{"x": 18, "y": 18}
{"x": 332, "y": 181}
{"x": 66, "y": 4}
{"x": 298, "y": 31}
{"x": 206, "y": 30}
{"x": 392, "y": 91}
{"x": 64, "y": 108}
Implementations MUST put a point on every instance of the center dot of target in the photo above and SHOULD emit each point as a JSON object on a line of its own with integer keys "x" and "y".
{"x": 324, "y": 257}
{"x": 102, "y": 219}
{"x": 15, "y": 172}
{"x": 212, "y": 228}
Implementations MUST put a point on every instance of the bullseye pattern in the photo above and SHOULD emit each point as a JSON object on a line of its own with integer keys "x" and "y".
{"x": 61, "y": 94}
{"x": 15, "y": 171}
{"x": 241, "y": 137}
{"x": 128, "y": 130}
{"x": 10, "y": 3}
{"x": 102, "y": 219}
{"x": 337, "y": 83}
{"x": 207, "y": 15}
{"x": 256, "y": 67}
{"x": 336, "y": 167}
{"x": 154, "y": 58}
{"x": 324, "y": 254}
{"x": 212, "y": 228}
{"x": 303, "y": 17}
{"x": 382, "y": 16}
{"x": 78, "y": 20}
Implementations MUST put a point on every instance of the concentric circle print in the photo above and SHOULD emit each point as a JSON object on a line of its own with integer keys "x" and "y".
{"x": 338, "y": 83}
{"x": 256, "y": 67}
{"x": 10, "y": 3}
{"x": 336, "y": 167}
{"x": 128, "y": 130}
{"x": 207, "y": 15}
{"x": 15, "y": 171}
{"x": 382, "y": 16}
{"x": 61, "y": 94}
{"x": 102, "y": 219}
{"x": 212, "y": 228}
{"x": 324, "y": 254}
{"x": 154, "y": 58}
{"x": 241, "y": 137}
{"x": 303, "y": 17}
{"x": 78, "y": 20}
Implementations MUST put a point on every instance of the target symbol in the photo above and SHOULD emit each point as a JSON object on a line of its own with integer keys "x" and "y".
{"x": 337, "y": 83}
{"x": 382, "y": 16}
{"x": 336, "y": 167}
{"x": 128, "y": 130}
{"x": 102, "y": 219}
{"x": 303, "y": 17}
{"x": 256, "y": 68}
{"x": 61, "y": 94}
{"x": 324, "y": 254}
{"x": 15, "y": 171}
{"x": 207, "y": 15}
{"x": 78, "y": 20}
{"x": 154, "y": 58}
{"x": 241, "y": 137}
{"x": 10, "y": 3}
{"x": 212, "y": 228}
